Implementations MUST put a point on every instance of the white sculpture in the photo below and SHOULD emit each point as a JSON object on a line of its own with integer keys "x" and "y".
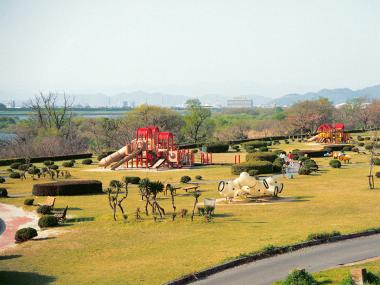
{"x": 246, "y": 185}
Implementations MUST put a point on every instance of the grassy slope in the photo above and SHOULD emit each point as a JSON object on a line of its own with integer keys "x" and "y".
{"x": 107, "y": 252}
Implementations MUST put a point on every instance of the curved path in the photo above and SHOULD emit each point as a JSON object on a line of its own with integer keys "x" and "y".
{"x": 313, "y": 259}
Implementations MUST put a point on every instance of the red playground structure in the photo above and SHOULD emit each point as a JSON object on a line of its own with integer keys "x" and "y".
{"x": 150, "y": 149}
{"x": 331, "y": 134}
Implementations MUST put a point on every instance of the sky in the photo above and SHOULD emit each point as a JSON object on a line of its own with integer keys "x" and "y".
{"x": 232, "y": 48}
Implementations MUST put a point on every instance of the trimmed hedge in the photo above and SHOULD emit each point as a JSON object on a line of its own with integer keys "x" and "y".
{"x": 376, "y": 161}
{"x": 87, "y": 161}
{"x": 217, "y": 147}
{"x": 3, "y": 193}
{"x": 264, "y": 156}
{"x": 277, "y": 165}
{"x": 132, "y": 179}
{"x": 304, "y": 171}
{"x": 29, "y": 202}
{"x": 335, "y": 163}
{"x": 47, "y": 221}
{"x": 15, "y": 165}
{"x": 25, "y": 234}
{"x": 15, "y": 175}
{"x": 2, "y": 179}
{"x": 185, "y": 179}
{"x": 377, "y": 174}
{"x": 263, "y": 167}
{"x": 9, "y": 161}
{"x": 68, "y": 188}
{"x": 44, "y": 210}
{"x": 68, "y": 164}
{"x": 312, "y": 153}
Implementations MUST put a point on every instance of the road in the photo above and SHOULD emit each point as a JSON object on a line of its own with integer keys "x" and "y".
{"x": 313, "y": 259}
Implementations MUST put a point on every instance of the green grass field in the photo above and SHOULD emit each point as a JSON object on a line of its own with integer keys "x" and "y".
{"x": 93, "y": 249}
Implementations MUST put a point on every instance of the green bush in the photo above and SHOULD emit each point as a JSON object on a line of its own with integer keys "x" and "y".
{"x": 15, "y": 175}
{"x": 34, "y": 171}
{"x": 15, "y": 165}
{"x": 44, "y": 210}
{"x": 198, "y": 177}
{"x": 377, "y": 174}
{"x": 263, "y": 148}
{"x": 360, "y": 139}
{"x": 236, "y": 147}
{"x": 217, "y": 147}
{"x": 286, "y": 141}
{"x": 361, "y": 144}
{"x": 277, "y": 165}
{"x": 355, "y": 149}
{"x": 48, "y": 162}
{"x": 347, "y": 148}
{"x": 311, "y": 164}
{"x": 347, "y": 281}
{"x": 87, "y": 161}
{"x": 368, "y": 146}
{"x": 29, "y": 201}
{"x": 335, "y": 163}
{"x": 264, "y": 156}
{"x": 54, "y": 167}
{"x": 253, "y": 145}
{"x": 47, "y": 221}
{"x": 2, "y": 180}
{"x": 185, "y": 179}
{"x": 323, "y": 236}
{"x": 304, "y": 171}
{"x": 253, "y": 172}
{"x": 68, "y": 164}
{"x": 376, "y": 161}
{"x": 263, "y": 167}
{"x": 194, "y": 150}
{"x": 299, "y": 277}
{"x": 68, "y": 188}
{"x": 24, "y": 167}
{"x": 25, "y": 234}
{"x": 367, "y": 138}
{"x": 3, "y": 193}
{"x": 132, "y": 179}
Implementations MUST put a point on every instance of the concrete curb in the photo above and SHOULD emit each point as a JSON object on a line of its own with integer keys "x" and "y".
{"x": 262, "y": 255}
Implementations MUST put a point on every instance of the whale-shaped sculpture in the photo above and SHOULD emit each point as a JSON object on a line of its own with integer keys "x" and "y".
{"x": 248, "y": 186}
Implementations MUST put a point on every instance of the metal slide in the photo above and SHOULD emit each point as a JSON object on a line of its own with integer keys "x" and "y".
{"x": 158, "y": 163}
{"x": 116, "y": 156}
{"x": 127, "y": 158}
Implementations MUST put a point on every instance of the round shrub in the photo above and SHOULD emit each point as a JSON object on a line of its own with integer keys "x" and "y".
{"x": 3, "y": 193}
{"x": 286, "y": 141}
{"x": 25, "y": 234}
{"x": 29, "y": 202}
{"x": 311, "y": 164}
{"x": 54, "y": 167}
{"x": 15, "y": 175}
{"x": 198, "y": 177}
{"x": 355, "y": 149}
{"x": 44, "y": 210}
{"x": 368, "y": 146}
{"x": 194, "y": 150}
{"x": 304, "y": 171}
{"x": 299, "y": 277}
{"x": 263, "y": 167}
{"x": 360, "y": 139}
{"x": 68, "y": 188}
{"x": 2, "y": 179}
{"x": 15, "y": 165}
{"x": 217, "y": 147}
{"x": 277, "y": 165}
{"x": 48, "y": 162}
{"x": 265, "y": 156}
{"x": 87, "y": 161}
{"x": 263, "y": 148}
{"x": 367, "y": 138}
{"x": 376, "y": 161}
{"x": 24, "y": 167}
{"x": 347, "y": 148}
{"x": 335, "y": 163}
{"x": 185, "y": 179}
{"x": 132, "y": 179}
{"x": 68, "y": 164}
{"x": 361, "y": 144}
{"x": 34, "y": 171}
{"x": 377, "y": 174}
{"x": 253, "y": 172}
{"x": 47, "y": 221}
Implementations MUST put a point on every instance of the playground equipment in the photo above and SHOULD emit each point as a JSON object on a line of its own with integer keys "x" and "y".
{"x": 328, "y": 133}
{"x": 149, "y": 149}
{"x": 248, "y": 186}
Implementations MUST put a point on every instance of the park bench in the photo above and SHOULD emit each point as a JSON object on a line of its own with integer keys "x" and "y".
{"x": 61, "y": 216}
{"x": 166, "y": 188}
{"x": 192, "y": 187}
{"x": 49, "y": 202}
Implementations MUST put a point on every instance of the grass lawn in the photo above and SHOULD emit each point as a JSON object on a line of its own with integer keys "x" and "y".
{"x": 93, "y": 249}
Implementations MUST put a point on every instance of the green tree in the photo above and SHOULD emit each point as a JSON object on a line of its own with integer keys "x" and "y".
{"x": 198, "y": 123}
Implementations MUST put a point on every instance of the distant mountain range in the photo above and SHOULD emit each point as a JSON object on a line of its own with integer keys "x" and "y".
{"x": 136, "y": 98}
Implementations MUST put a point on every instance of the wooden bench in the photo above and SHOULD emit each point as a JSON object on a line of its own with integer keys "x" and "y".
{"x": 62, "y": 215}
{"x": 49, "y": 202}
{"x": 192, "y": 187}
{"x": 166, "y": 188}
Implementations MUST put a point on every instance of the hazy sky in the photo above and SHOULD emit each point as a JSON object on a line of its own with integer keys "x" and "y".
{"x": 188, "y": 47}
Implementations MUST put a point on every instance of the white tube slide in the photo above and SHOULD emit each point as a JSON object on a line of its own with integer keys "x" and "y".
{"x": 114, "y": 157}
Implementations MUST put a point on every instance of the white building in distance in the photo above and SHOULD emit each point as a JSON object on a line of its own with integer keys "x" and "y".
{"x": 239, "y": 102}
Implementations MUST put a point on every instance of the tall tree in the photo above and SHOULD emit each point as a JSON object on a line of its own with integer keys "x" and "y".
{"x": 198, "y": 124}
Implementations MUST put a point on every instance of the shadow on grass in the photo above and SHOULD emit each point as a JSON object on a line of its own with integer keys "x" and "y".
{"x": 80, "y": 219}
{"x": 41, "y": 239}
{"x": 300, "y": 199}
{"x": 22, "y": 278}
{"x": 68, "y": 209}
{"x": 325, "y": 282}
{"x": 5, "y": 257}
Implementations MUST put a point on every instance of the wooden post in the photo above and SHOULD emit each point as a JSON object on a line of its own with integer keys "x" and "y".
{"x": 359, "y": 275}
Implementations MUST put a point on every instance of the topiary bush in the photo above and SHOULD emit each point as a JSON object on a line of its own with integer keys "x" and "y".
{"x": 68, "y": 188}
{"x": 217, "y": 147}
{"x": 311, "y": 164}
{"x": 87, "y": 161}
{"x": 24, "y": 167}
{"x": 185, "y": 179}
{"x": 299, "y": 277}
{"x": 368, "y": 146}
{"x": 335, "y": 163}
{"x": 253, "y": 145}
{"x": 132, "y": 179}
{"x": 355, "y": 149}
{"x": 377, "y": 174}
{"x": 2, "y": 180}
{"x": 3, "y": 193}
{"x": 34, "y": 171}
{"x": 361, "y": 144}
{"x": 25, "y": 234}
{"x": 263, "y": 167}
{"x": 29, "y": 201}
{"x": 277, "y": 165}
{"x": 304, "y": 171}
{"x": 263, "y": 148}
{"x": 47, "y": 221}
{"x": 68, "y": 164}
{"x": 253, "y": 172}
{"x": 48, "y": 162}
{"x": 15, "y": 165}
{"x": 264, "y": 156}
{"x": 198, "y": 177}
{"x": 15, "y": 175}
{"x": 54, "y": 167}
{"x": 360, "y": 139}
{"x": 44, "y": 210}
